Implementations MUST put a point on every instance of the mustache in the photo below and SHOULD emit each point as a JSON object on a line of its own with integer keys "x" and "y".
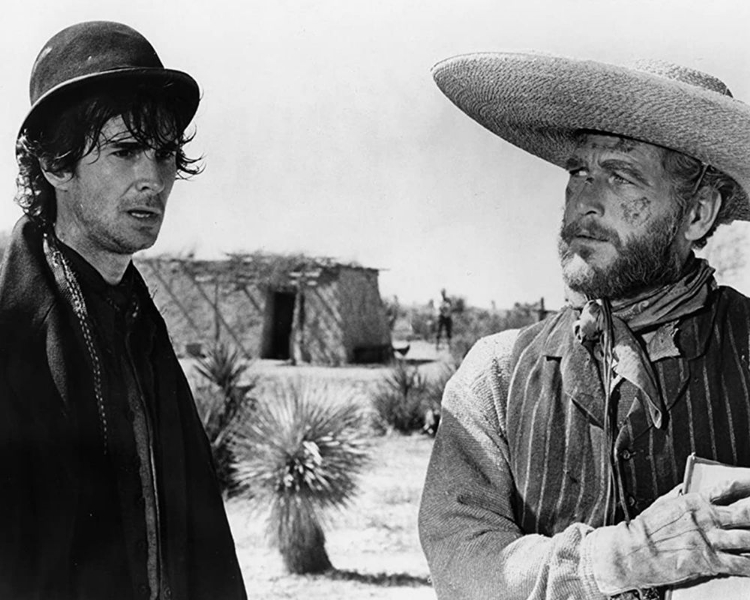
{"x": 590, "y": 229}
{"x": 155, "y": 201}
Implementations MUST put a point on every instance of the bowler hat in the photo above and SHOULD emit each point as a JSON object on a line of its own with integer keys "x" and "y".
{"x": 539, "y": 101}
{"x": 89, "y": 56}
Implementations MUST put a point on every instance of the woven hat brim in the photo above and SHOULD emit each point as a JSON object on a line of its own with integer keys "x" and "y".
{"x": 181, "y": 86}
{"x": 537, "y": 102}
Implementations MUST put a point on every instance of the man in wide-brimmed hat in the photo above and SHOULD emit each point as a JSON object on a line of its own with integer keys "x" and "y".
{"x": 108, "y": 486}
{"x": 561, "y": 447}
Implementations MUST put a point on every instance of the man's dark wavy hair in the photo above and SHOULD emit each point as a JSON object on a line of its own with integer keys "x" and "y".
{"x": 69, "y": 129}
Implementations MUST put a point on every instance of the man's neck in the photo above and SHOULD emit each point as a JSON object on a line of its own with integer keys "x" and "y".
{"x": 111, "y": 266}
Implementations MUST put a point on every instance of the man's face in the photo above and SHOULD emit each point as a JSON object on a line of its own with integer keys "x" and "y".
{"x": 620, "y": 231}
{"x": 114, "y": 202}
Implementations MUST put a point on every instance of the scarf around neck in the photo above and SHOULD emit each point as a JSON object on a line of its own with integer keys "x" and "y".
{"x": 608, "y": 330}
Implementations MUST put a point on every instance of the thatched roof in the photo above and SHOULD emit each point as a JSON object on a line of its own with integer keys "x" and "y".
{"x": 257, "y": 268}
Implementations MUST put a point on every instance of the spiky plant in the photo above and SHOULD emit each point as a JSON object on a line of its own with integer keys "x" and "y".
{"x": 300, "y": 453}
{"x": 399, "y": 399}
{"x": 219, "y": 402}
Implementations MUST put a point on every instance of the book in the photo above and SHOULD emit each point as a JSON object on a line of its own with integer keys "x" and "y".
{"x": 702, "y": 474}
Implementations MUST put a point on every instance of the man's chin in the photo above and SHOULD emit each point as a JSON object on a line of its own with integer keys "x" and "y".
{"x": 576, "y": 271}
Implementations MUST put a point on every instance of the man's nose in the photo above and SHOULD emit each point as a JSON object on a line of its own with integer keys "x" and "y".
{"x": 152, "y": 173}
{"x": 586, "y": 197}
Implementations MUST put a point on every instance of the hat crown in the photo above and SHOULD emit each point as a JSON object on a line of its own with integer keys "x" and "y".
{"x": 89, "y": 48}
{"x": 682, "y": 74}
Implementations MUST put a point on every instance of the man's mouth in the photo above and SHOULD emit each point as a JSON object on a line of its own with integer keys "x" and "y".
{"x": 144, "y": 213}
{"x": 587, "y": 233}
{"x": 589, "y": 237}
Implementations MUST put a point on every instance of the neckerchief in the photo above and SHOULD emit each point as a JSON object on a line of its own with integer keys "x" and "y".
{"x": 608, "y": 330}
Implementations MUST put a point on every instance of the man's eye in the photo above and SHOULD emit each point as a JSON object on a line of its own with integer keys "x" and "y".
{"x": 125, "y": 152}
{"x": 619, "y": 179}
{"x": 165, "y": 155}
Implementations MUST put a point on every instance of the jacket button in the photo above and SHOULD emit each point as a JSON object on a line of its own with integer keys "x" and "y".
{"x": 626, "y": 455}
{"x": 631, "y": 501}
{"x": 143, "y": 589}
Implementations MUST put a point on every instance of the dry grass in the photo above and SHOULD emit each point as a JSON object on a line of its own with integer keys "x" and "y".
{"x": 372, "y": 544}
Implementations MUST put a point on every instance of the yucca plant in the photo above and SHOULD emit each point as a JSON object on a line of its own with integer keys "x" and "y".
{"x": 225, "y": 370}
{"x": 399, "y": 399}
{"x": 299, "y": 453}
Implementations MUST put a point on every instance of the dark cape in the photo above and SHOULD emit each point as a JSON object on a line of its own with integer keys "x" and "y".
{"x": 44, "y": 372}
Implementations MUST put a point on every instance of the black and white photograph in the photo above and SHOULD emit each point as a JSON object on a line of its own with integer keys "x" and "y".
{"x": 396, "y": 300}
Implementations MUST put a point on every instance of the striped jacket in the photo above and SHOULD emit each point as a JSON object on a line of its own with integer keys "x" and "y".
{"x": 515, "y": 481}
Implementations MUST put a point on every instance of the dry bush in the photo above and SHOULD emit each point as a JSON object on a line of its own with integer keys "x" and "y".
{"x": 225, "y": 392}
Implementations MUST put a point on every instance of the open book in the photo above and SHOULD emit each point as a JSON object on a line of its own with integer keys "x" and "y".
{"x": 702, "y": 474}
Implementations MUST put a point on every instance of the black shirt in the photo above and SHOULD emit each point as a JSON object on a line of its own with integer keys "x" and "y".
{"x": 111, "y": 545}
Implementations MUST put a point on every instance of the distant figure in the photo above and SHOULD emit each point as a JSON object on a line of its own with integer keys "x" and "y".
{"x": 445, "y": 319}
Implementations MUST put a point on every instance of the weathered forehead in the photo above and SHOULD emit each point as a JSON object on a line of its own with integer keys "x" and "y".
{"x": 607, "y": 143}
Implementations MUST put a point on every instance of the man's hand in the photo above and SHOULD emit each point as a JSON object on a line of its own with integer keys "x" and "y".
{"x": 676, "y": 539}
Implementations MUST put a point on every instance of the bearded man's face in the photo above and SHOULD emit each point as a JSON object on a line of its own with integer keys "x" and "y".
{"x": 620, "y": 229}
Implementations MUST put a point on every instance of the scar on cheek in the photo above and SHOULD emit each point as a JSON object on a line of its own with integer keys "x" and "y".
{"x": 635, "y": 211}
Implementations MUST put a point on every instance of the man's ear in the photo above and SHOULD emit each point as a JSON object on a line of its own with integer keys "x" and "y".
{"x": 702, "y": 214}
{"x": 59, "y": 181}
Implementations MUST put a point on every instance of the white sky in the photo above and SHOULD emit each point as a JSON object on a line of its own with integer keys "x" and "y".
{"x": 323, "y": 131}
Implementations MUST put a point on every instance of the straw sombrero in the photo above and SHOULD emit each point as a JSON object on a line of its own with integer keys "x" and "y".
{"x": 538, "y": 101}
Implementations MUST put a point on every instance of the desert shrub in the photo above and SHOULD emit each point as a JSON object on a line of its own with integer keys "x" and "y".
{"x": 399, "y": 400}
{"x": 300, "y": 452}
{"x": 219, "y": 401}
{"x": 475, "y": 323}
{"x": 433, "y": 395}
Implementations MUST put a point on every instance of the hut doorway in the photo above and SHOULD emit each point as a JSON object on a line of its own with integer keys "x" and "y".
{"x": 279, "y": 321}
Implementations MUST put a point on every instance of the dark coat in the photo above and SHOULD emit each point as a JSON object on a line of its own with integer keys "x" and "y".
{"x": 41, "y": 465}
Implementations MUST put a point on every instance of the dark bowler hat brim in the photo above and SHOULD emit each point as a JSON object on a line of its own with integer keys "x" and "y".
{"x": 95, "y": 55}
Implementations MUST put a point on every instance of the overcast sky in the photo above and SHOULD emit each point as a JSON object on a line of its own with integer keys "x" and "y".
{"x": 323, "y": 131}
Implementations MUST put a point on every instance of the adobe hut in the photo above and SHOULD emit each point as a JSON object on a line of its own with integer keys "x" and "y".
{"x": 282, "y": 307}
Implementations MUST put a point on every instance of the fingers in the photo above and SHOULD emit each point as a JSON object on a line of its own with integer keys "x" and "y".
{"x": 734, "y": 516}
{"x": 734, "y": 564}
{"x": 728, "y": 492}
{"x": 735, "y": 541}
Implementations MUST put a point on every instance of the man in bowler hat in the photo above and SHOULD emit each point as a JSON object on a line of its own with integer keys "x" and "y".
{"x": 108, "y": 486}
{"x": 556, "y": 468}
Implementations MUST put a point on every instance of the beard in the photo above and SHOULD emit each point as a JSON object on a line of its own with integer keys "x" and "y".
{"x": 642, "y": 263}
